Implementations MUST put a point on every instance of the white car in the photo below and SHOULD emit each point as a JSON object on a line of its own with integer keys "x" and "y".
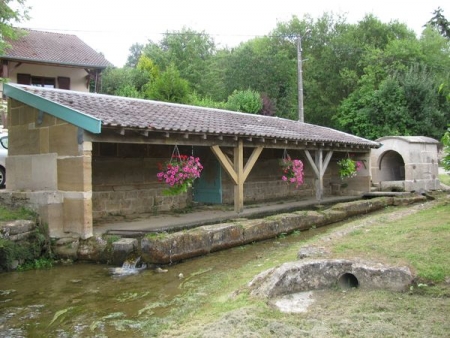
{"x": 3, "y": 155}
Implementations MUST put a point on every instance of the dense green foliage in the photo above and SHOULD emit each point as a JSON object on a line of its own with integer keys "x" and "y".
{"x": 370, "y": 78}
{"x": 446, "y": 142}
{"x": 248, "y": 101}
{"x": 9, "y": 15}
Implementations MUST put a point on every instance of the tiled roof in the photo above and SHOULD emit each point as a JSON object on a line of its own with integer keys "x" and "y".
{"x": 123, "y": 112}
{"x": 55, "y": 48}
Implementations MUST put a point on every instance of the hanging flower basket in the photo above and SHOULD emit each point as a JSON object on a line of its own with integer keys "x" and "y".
{"x": 348, "y": 168}
{"x": 179, "y": 173}
{"x": 292, "y": 170}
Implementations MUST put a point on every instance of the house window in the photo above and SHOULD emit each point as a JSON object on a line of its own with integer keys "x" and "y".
{"x": 24, "y": 79}
{"x": 63, "y": 82}
{"x": 47, "y": 82}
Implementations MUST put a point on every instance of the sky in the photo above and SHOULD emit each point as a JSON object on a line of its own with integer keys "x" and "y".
{"x": 111, "y": 27}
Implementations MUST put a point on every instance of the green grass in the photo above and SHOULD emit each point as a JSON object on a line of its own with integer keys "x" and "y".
{"x": 8, "y": 214}
{"x": 420, "y": 241}
{"x": 445, "y": 178}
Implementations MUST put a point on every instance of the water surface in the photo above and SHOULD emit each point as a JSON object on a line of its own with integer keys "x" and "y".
{"x": 86, "y": 300}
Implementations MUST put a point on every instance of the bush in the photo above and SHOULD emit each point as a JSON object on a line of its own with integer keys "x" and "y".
{"x": 247, "y": 101}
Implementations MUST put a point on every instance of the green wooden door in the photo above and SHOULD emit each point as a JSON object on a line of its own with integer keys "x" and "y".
{"x": 208, "y": 188}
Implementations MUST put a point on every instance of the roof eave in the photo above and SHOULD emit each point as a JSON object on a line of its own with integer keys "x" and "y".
{"x": 69, "y": 115}
{"x": 268, "y": 141}
{"x": 66, "y": 64}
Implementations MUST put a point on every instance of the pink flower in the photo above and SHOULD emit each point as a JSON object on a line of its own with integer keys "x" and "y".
{"x": 180, "y": 173}
{"x": 292, "y": 170}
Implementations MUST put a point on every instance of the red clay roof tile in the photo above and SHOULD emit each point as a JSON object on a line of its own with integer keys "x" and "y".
{"x": 55, "y": 48}
{"x": 161, "y": 116}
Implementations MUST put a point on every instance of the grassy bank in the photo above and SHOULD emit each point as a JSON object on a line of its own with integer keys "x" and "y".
{"x": 445, "y": 178}
{"x": 218, "y": 304}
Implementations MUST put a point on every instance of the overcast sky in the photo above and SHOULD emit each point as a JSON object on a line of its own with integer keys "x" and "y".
{"x": 111, "y": 27}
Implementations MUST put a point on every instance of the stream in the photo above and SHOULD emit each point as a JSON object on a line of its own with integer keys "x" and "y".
{"x": 88, "y": 300}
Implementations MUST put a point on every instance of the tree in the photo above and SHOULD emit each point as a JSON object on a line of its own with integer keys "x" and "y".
{"x": 188, "y": 50}
{"x": 125, "y": 81}
{"x": 135, "y": 54}
{"x": 9, "y": 16}
{"x": 446, "y": 142}
{"x": 170, "y": 87}
{"x": 246, "y": 101}
{"x": 446, "y": 138}
{"x": 439, "y": 22}
{"x": 145, "y": 64}
{"x": 407, "y": 103}
{"x": 264, "y": 66}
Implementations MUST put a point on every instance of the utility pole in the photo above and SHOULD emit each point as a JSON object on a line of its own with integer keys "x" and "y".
{"x": 301, "y": 117}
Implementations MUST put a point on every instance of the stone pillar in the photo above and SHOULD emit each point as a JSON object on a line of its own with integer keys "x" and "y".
{"x": 75, "y": 182}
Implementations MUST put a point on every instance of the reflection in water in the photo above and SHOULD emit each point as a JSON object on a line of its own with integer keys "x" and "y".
{"x": 86, "y": 300}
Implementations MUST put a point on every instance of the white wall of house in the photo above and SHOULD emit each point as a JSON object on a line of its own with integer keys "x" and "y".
{"x": 77, "y": 75}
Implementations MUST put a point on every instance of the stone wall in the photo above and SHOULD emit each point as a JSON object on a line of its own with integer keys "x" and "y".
{"x": 47, "y": 158}
{"x": 125, "y": 182}
{"x": 124, "y": 179}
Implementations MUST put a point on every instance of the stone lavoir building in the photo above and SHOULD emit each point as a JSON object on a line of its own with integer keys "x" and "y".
{"x": 77, "y": 157}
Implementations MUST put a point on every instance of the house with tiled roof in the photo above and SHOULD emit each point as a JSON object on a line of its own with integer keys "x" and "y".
{"x": 79, "y": 156}
{"x": 52, "y": 60}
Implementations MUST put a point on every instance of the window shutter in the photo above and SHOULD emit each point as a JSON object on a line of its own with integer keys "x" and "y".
{"x": 24, "y": 79}
{"x": 63, "y": 82}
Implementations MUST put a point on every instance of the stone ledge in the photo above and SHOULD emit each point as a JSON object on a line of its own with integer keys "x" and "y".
{"x": 168, "y": 248}
{"x": 14, "y": 229}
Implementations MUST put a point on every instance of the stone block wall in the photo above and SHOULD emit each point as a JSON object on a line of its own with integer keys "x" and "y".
{"x": 264, "y": 182}
{"x": 131, "y": 201}
{"x": 45, "y": 157}
{"x": 124, "y": 180}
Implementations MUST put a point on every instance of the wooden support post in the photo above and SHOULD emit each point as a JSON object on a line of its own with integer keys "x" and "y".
{"x": 319, "y": 167}
{"x": 239, "y": 169}
{"x": 236, "y": 170}
{"x": 319, "y": 181}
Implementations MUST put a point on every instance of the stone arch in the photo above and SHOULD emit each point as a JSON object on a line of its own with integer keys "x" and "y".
{"x": 392, "y": 166}
{"x": 406, "y": 163}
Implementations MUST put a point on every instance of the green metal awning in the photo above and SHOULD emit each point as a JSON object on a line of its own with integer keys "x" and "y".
{"x": 62, "y": 112}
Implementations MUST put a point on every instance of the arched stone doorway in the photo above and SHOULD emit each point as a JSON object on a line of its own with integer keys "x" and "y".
{"x": 391, "y": 166}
